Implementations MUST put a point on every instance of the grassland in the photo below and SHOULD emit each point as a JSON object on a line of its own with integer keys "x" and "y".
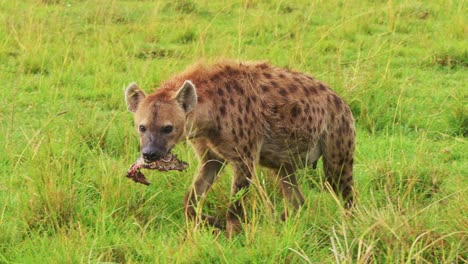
{"x": 66, "y": 139}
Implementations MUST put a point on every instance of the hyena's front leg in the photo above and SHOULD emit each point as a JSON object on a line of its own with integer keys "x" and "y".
{"x": 290, "y": 189}
{"x": 243, "y": 172}
{"x": 209, "y": 169}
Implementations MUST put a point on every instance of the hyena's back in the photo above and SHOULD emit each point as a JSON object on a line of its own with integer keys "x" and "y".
{"x": 296, "y": 115}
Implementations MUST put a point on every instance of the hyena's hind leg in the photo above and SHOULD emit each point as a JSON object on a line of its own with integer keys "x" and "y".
{"x": 338, "y": 153}
{"x": 339, "y": 174}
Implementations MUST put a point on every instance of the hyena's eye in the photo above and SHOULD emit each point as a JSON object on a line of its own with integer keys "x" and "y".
{"x": 167, "y": 129}
{"x": 142, "y": 128}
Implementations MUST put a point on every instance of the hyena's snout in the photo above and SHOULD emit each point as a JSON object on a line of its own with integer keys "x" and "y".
{"x": 152, "y": 153}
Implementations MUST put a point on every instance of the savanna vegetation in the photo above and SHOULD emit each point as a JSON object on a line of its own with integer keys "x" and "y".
{"x": 66, "y": 139}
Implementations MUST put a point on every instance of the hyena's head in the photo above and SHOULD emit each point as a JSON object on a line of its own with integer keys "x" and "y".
{"x": 160, "y": 118}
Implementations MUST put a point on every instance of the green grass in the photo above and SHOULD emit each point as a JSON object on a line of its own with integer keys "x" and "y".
{"x": 66, "y": 139}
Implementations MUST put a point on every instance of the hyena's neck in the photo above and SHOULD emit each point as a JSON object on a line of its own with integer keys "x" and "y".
{"x": 199, "y": 122}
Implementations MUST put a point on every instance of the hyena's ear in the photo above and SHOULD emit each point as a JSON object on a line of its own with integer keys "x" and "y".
{"x": 187, "y": 96}
{"x": 133, "y": 96}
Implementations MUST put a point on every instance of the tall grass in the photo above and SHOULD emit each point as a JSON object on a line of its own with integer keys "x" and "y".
{"x": 66, "y": 139}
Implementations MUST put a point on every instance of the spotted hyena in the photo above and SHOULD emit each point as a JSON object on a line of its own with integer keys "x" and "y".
{"x": 246, "y": 114}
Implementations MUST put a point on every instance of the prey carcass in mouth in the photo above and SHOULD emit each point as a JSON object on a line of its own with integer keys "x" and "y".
{"x": 170, "y": 162}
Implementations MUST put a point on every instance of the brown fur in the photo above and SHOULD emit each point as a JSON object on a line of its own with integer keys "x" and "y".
{"x": 253, "y": 113}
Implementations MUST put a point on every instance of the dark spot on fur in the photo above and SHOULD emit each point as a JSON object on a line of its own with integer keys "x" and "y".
{"x": 238, "y": 88}
{"x": 220, "y": 92}
{"x": 241, "y": 133}
{"x": 273, "y": 83}
{"x": 322, "y": 87}
{"x": 245, "y": 149}
{"x": 295, "y": 111}
{"x": 337, "y": 101}
{"x": 267, "y": 75}
{"x": 262, "y": 66}
{"x": 231, "y": 101}
{"x": 338, "y": 143}
{"x": 223, "y": 101}
{"x": 213, "y": 133}
{"x": 341, "y": 130}
{"x": 347, "y": 128}
{"x": 228, "y": 88}
{"x": 222, "y": 110}
{"x": 215, "y": 78}
{"x": 283, "y": 92}
{"x": 313, "y": 90}
{"x": 254, "y": 99}
{"x": 274, "y": 109}
{"x": 239, "y": 121}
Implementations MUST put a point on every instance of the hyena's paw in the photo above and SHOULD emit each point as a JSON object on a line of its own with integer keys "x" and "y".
{"x": 213, "y": 221}
{"x": 233, "y": 227}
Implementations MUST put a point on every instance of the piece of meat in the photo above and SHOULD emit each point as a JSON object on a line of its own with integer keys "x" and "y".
{"x": 168, "y": 163}
{"x": 135, "y": 174}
